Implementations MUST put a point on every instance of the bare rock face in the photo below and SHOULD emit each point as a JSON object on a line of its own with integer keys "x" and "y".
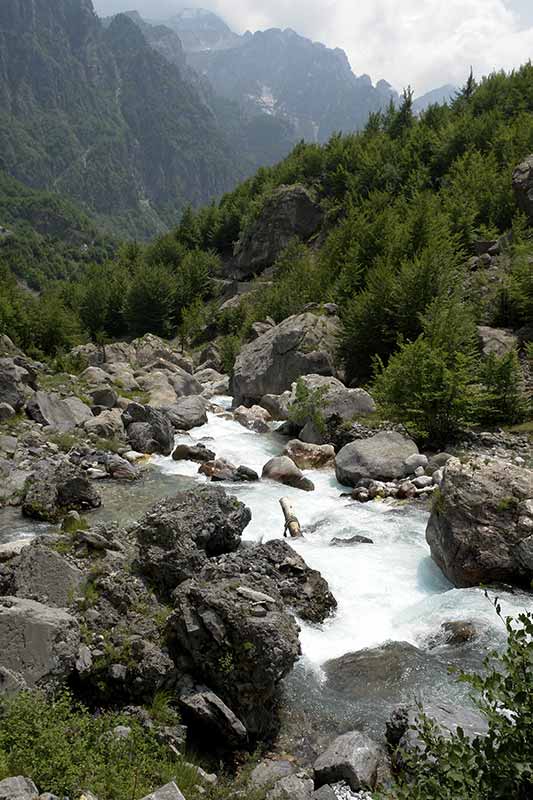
{"x": 39, "y": 643}
{"x": 523, "y": 186}
{"x": 18, "y": 788}
{"x": 290, "y": 213}
{"x": 51, "y": 409}
{"x": 300, "y": 345}
{"x": 481, "y": 525}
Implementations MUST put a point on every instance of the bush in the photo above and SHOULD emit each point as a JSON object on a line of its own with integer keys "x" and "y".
{"x": 65, "y": 750}
{"x": 307, "y": 406}
{"x": 497, "y": 766}
{"x": 502, "y": 399}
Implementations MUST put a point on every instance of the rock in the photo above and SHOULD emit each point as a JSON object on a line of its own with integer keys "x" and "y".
{"x": 299, "y": 345}
{"x": 292, "y": 787}
{"x": 336, "y": 542}
{"x": 178, "y": 534}
{"x": 8, "y": 445}
{"x": 269, "y": 771}
{"x": 150, "y": 348}
{"x": 41, "y": 574}
{"x": 11, "y": 549}
{"x": 497, "y": 341}
{"x": 416, "y": 462}
{"x": 208, "y": 375}
{"x": 107, "y": 425}
{"x": 187, "y": 413}
{"x": 437, "y": 461}
{"x": 239, "y": 646}
{"x": 51, "y": 409}
{"x": 454, "y": 633}
{"x": 148, "y": 429}
{"x": 338, "y": 400}
{"x": 39, "y": 643}
{"x": 291, "y": 212}
{"x": 283, "y": 470}
{"x": 159, "y": 389}
{"x": 481, "y": 526}
{"x": 257, "y": 329}
{"x": 309, "y": 456}
{"x": 277, "y": 405}
{"x": 189, "y": 452}
{"x": 104, "y": 396}
{"x": 14, "y": 381}
{"x": 523, "y": 186}
{"x": 204, "y": 708}
{"x": 401, "y": 736}
{"x": 120, "y": 469}
{"x": 18, "y": 789}
{"x": 53, "y": 490}
{"x": 6, "y": 412}
{"x": 94, "y": 375}
{"x": 288, "y": 576}
{"x": 422, "y": 481}
{"x": 222, "y": 470}
{"x": 352, "y": 757}
{"x": 255, "y": 418}
{"x": 169, "y": 791}
{"x": 382, "y": 457}
{"x": 210, "y": 355}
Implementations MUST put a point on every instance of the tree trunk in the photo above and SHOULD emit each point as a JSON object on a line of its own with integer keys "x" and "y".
{"x": 291, "y": 520}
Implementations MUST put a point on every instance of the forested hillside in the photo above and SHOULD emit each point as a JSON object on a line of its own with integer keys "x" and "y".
{"x": 410, "y": 248}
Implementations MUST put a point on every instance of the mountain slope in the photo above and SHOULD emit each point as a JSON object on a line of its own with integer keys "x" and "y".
{"x": 99, "y": 116}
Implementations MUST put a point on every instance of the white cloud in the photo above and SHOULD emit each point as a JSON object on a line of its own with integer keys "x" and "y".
{"x": 424, "y": 43}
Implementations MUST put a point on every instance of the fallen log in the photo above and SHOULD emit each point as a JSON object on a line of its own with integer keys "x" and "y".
{"x": 292, "y": 524}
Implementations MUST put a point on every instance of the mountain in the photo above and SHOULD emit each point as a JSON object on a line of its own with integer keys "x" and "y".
{"x": 440, "y": 95}
{"x": 281, "y": 74}
{"x": 96, "y": 114}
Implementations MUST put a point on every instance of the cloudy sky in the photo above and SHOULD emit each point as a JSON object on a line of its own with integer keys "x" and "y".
{"x": 425, "y": 43}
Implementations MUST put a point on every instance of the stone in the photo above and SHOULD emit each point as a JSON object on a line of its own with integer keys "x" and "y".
{"x": 453, "y": 633}
{"x": 107, "y": 425}
{"x": 6, "y": 412}
{"x": 178, "y": 534}
{"x": 336, "y": 542}
{"x": 11, "y": 549}
{"x": 53, "y": 490}
{"x": 291, "y": 212}
{"x": 187, "y": 413}
{"x": 255, "y": 418}
{"x": 422, "y": 481}
{"x": 104, "y": 396}
{"x": 189, "y": 452}
{"x": 283, "y": 470}
{"x": 497, "y": 341}
{"x": 277, "y": 405}
{"x": 14, "y": 381}
{"x": 270, "y": 770}
{"x": 159, "y": 389}
{"x": 169, "y": 791}
{"x": 352, "y": 757}
{"x": 448, "y": 717}
{"x": 481, "y": 525}
{"x": 94, "y": 375}
{"x": 299, "y": 345}
{"x": 8, "y": 445}
{"x": 309, "y": 456}
{"x": 42, "y": 574}
{"x": 382, "y": 457}
{"x": 148, "y": 429}
{"x": 337, "y": 400}
{"x": 292, "y": 787}
{"x": 39, "y": 643}
{"x": 416, "y": 462}
{"x": 121, "y": 469}
{"x": 205, "y": 709}
{"x": 18, "y": 788}
{"x": 221, "y": 470}
{"x": 51, "y": 409}
{"x": 523, "y": 186}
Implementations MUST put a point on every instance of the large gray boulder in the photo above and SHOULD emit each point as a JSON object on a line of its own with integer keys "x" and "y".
{"x": 18, "y": 788}
{"x": 177, "y": 535}
{"x": 148, "y": 429}
{"x": 42, "y": 574}
{"x": 337, "y": 399}
{"x": 206, "y": 710}
{"x": 299, "y": 345}
{"x": 63, "y": 414}
{"x": 14, "y": 380}
{"x": 52, "y": 490}
{"x": 353, "y": 758}
{"x": 291, "y": 212}
{"x": 282, "y": 469}
{"x": 523, "y": 186}
{"x": 39, "y": 643}
{"x": 383, "y": 457}
{"x": 187, "y": 413}
{"x": 481, "y": 525}
{"x": 107, "y": 425}
{"x": 169, "y": 791}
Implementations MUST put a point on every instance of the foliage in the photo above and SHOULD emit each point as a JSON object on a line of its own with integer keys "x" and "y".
{"x": 307, "y": 406}
{"x": 65, "y": 750}
{"x": 498, "y": 765}
{"x": 503, "y": 398}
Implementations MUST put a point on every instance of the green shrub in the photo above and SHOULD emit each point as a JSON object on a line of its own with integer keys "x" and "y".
{"x": 503, "y": 397}
{"x": 307, "y": 406}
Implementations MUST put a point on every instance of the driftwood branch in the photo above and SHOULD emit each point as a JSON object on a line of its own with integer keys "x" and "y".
{"x": 292, "y": 524}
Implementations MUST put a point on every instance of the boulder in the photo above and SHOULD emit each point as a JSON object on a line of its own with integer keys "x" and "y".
{"x": 6, "y": 412}
{"x": 353, "y": 758}
{"x": 121, "y": 469}
{"x": 523, "y": 186}
{"x": 14, "y": 380}
{"x": 270, "y": 770}
{"x": 277, "y": 405}
{"x": 205, "y": 709}
{"x": 150, "y": 348}
{"x": 351, "y": 540}
{"x": 337, "y": 399}
{"x": 382, "y": 457}
{"x": 299, "y": 345}
{"x": 481, "y": 526}
{"x": 51, "y": 409}
{"x": 187, "y": 413}
{"x": 189, "y": 452}
{"x": 158, "y": 387}
{"x": 169, "y": 791}
{"x": 283, "y": 470}
{"x": 401, "y": 735}
{"x": 42, "y": 574}
{"x": 497, "y": 341}
{"x": 309, "y": 456}
{"x": 94, "y": 375}
{"x": 178, "y": 534}
{"x": 222, "y": 470}
{"x": 292, "y": 787}
{"x": 52, "y": 490}
{"x": 104, "y": 396}
{"x": 107, "y": 425}
{"x": 291, "y": 212}
{"x": 254, "y": 418}
{"x": 148, "y": 429}
{"x": 18, "y": 788}
{"x": 238, "y": 640}
{"x": 39, "y": 643}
